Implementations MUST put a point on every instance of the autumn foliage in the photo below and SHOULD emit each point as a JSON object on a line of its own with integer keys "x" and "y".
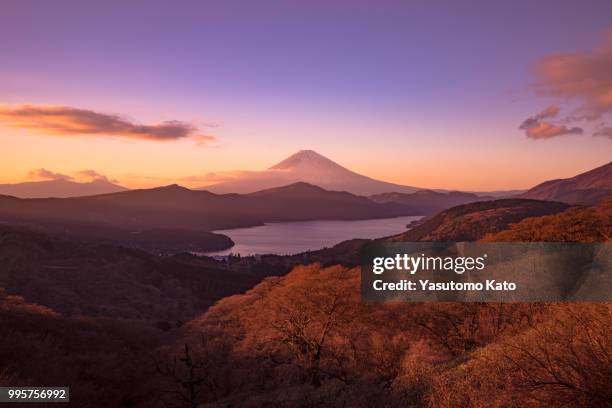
{"x": 305, "y": 338}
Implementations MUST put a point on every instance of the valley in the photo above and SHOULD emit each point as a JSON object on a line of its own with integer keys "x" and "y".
{"x": 138, "y": 312}
{"x": 113, "y": 279}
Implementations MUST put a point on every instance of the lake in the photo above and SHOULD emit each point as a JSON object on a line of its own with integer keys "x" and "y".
{"x": 287, "y": 238}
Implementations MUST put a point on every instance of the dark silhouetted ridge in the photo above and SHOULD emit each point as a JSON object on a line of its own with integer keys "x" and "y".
{"x": 586, "y": 188}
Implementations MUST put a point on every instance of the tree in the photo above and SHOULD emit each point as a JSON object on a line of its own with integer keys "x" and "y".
{"x": 189, "y": 376}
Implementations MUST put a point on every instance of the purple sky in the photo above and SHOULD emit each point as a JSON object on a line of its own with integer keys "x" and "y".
{"x": 410, "y": 92}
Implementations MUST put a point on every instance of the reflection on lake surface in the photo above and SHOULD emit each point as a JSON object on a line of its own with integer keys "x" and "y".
{"x": 285, "y": 238}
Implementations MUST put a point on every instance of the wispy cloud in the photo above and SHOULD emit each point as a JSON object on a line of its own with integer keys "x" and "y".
{"x": 80, "y": 176}
{"x": 546, "y": 130}
{"x": 211, "y": 177}
{"x": 92, "y": 175}
{"x": 584, "y": 78}
{"x": 70, "y": 121}
{"x": 605, "y": 131}
{"x": 44, "y": 174}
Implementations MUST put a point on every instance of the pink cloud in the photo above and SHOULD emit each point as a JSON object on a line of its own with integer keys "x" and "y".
{"x": 47, "y": 175}
{"x": 584, "y": 78}
{"x": 546, "y": 130}
{"x": 65, "y": 120}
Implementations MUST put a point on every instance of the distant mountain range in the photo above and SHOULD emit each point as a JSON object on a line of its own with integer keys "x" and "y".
{"x": 425, "y": 202}
{"x": 305, "y": 166}
{"x": 176, "y": 217}
{"x": 145, "y": 216}
{"x": 586, "y": 188}
{"x": 309, "y": 167}
{"x": 178, "y": 207}
{"x": 59, "y": 188}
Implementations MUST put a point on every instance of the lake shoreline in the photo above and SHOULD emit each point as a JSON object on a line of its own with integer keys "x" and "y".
{"x": 293, "y": 237}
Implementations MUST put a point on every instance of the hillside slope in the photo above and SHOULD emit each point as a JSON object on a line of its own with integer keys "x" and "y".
{"x": 426, "y": 202}
{"x": 302, "y": 339}
{"x": 582, "y": 224}
{"x": 80, "y": 278}
{"x": 471, "y": 222}
{"x": 103, "y": 361}
{"x": 306, "y": 336}
{"x": 586, "y": 188}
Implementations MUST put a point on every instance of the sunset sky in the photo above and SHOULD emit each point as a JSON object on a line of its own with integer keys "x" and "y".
{"x": 482, "y": 96}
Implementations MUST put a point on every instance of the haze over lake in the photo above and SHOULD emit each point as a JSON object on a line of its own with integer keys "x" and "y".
{"x": 286, "y": 238}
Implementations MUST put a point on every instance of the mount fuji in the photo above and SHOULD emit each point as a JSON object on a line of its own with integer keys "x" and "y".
{"x": 310, "y": 167}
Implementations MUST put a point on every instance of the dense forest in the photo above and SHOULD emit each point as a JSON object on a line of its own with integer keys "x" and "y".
{"x": 126, "y": 328}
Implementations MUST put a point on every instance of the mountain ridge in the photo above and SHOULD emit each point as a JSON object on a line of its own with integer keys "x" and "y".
{"x": 585, "y": 188}
{"x": 427, "y": 202}
{"x": 470, "y": 222}
{"x": 181, "y": 212}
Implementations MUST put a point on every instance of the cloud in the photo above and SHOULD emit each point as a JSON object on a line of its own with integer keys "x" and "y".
{"x": 47, "y": 175}
{"x": 210, "y": 177}
{"x": 65, "y": 120}
{"x": 538, "y": 127}
{"x": 203, "y": 140}
{"x": 80, "y": 176}
{"x": 92, "y": 175}
{"x": 584, "y": 78}
{"x": 549, "y": 112}
{"x": 605, "y": 131}
{"x": 546, "y": 130}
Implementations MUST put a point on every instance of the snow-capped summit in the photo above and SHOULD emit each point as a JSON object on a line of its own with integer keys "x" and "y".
{"x": 306, "y": 158}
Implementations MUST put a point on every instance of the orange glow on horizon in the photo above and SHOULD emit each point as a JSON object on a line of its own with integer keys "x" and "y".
{"x": 146, "y": 164}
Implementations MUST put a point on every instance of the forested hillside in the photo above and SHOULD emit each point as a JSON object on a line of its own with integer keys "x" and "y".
{"x": 302, "y": 338}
